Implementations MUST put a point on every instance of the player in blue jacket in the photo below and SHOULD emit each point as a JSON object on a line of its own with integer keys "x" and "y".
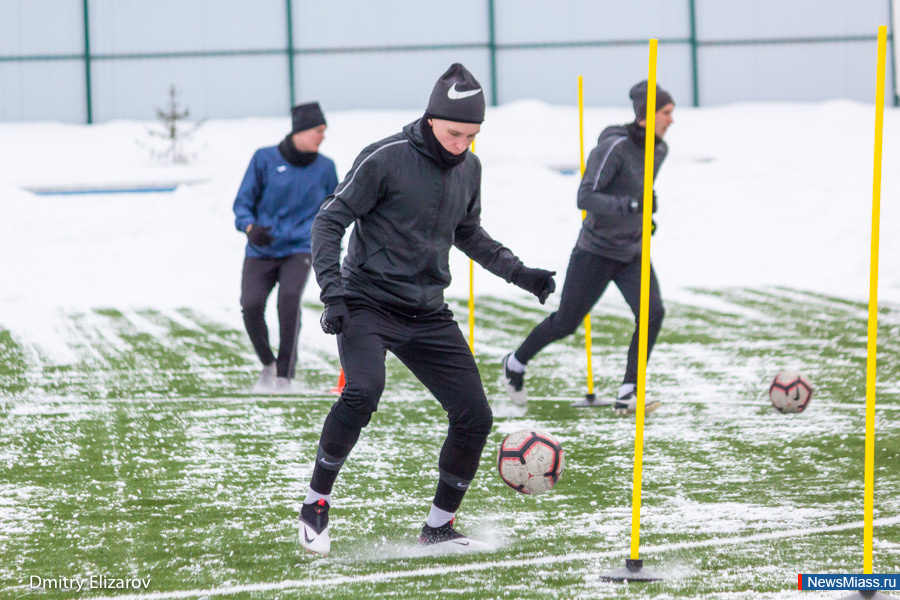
{"x": 278, "y": 200}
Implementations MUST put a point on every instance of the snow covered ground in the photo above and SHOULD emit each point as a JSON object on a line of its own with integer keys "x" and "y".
{"x": 147, "y": 395}
{"x": 751, "y": 195}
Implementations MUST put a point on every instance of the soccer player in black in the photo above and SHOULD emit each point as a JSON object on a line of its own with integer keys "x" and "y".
{"x": 608, "y": 247}
{"x": 411, "y": 196}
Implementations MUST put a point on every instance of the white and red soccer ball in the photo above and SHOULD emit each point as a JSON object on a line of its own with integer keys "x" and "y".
{"x": 790, "y": 392}
{"x": 530, "y": 461}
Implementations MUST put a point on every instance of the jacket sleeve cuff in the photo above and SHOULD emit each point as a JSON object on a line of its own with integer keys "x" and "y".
{"x": 332, "y": 299}
{"x": 515, "y": 274}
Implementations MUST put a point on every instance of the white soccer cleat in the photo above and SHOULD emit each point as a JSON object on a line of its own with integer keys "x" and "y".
{"x": 515, "y": 384}
{"x": 283, "y": 385}
{"x": 266, "y": 382}
{"x": 314, "y": 534}
{"x": 626, "y": 402}
{"x": 445, "y": 539}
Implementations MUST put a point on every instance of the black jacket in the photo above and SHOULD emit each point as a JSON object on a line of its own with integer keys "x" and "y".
{"x": 408, "y": 212}
{"x": 613, "y": 177}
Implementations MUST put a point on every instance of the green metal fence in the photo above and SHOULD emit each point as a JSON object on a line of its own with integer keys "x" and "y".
{"x": 491, "y": 46}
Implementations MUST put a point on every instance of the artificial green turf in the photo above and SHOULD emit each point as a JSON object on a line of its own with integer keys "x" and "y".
{"x": 143, "y": 456}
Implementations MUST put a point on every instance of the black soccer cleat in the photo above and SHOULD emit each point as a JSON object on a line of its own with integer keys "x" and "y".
{"x": 314, "y": 534}
{"x": 446, "y": 539}
{"x": 515, "y": 384}
{"x": 626, "y": 403}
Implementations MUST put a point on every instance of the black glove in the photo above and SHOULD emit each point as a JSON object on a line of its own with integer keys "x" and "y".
{"x": 636, "y": 205}
{"x": 537, "y": 281}
{"x": 259, "y": 236}
{"x": 334, "y": 317}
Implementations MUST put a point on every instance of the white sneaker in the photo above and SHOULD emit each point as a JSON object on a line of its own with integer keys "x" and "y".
{"x": 626, "y": 401}
{"x": 283, "y": 385}
{"x": 515, "y": 384}
{"x": 266, "y": 382}
{"x": 314, "y": 527}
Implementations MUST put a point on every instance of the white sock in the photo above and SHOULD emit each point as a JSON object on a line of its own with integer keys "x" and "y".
{"x": 313, "y": 496}
{"x": 513, "y": 364}
{"x": 438, "y": 517}
{"x": 626, "y": 389}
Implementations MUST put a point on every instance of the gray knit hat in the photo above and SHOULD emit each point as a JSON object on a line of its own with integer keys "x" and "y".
{"x": 638, "y": 95}
{"x": 457, "y": 96}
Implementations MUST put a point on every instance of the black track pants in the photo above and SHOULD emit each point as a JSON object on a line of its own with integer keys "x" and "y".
{"x": 586, "y": 280}
{"x": 433, "y": 348}
{"x": 257, "y": 281}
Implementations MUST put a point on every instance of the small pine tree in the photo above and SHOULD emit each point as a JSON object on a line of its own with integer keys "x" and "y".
{"x": 175, "y": 132}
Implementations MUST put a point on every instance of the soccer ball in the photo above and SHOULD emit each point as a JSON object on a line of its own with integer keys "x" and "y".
{"x": 790, "y": 392}
{"x": 530, "y": 461}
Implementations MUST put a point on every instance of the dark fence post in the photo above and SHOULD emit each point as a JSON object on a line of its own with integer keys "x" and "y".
{"x": 694, "y": 75}
{"x": 492, "y": 47}
{"x": 892, "y": 33}
{"x": 87, "y": 63}
{"x": 290, "y": 52}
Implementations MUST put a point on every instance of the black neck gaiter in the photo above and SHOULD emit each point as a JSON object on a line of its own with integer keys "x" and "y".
{"x": 289, "y": 152}
{"x": 444, "y": 158}
{"x": 637, "y": 134}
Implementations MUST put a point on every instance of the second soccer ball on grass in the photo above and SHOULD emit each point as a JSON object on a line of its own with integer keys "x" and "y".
{"x": 790, "y": 392}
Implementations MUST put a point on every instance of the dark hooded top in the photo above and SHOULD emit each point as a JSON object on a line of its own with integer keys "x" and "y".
{"x": 408, "y": 211}
{"x": 613, "y": 177}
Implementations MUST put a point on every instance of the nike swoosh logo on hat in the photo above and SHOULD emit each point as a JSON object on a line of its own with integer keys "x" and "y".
{"x": 454, "y": 94}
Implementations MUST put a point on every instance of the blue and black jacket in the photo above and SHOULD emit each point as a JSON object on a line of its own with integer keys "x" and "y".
{"x": 283, "y": 197}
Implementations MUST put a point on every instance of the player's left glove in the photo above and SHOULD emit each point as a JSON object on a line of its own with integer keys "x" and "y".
{"x": 537, "y": 281}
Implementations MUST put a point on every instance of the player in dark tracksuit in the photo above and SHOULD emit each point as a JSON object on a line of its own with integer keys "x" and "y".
{"x": 609, "y": 245}
{"x": 411, "y": 197}
{"x": 278, "y": 199}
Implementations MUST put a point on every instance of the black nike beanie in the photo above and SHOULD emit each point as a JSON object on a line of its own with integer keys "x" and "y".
{"x": 457, "y": 96}
{"x": 638, "y": 96}
{"x": 306, "y": 116}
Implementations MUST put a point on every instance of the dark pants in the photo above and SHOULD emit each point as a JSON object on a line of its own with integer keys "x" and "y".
{"x": 586, "y": 280}
{"x": 433, "y": 348}
{"x": 257, "y": 282}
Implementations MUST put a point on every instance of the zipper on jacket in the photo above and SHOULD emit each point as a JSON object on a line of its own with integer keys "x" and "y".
{"x": 431, "y": 244}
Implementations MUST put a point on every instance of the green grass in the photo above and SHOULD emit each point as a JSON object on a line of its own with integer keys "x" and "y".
{"x": 142, "y": 456}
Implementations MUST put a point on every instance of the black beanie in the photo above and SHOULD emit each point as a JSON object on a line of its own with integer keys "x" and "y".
{"x": 638, "y": 96}
{"x": 306, "y": 116}
{"x": 457, "y": 96}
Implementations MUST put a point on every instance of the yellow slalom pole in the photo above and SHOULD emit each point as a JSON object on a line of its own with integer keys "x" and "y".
{"x": 587, "y": 317}
{"x": 472, "y": 295}
{"x": 872, "y": 349}
{"x": 645, "y": 301}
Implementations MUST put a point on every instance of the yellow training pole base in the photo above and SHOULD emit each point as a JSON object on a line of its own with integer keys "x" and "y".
{"x": 591, "y": 400}
{"x": 633, "y": 571}
{"x": 867, "y": 595}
